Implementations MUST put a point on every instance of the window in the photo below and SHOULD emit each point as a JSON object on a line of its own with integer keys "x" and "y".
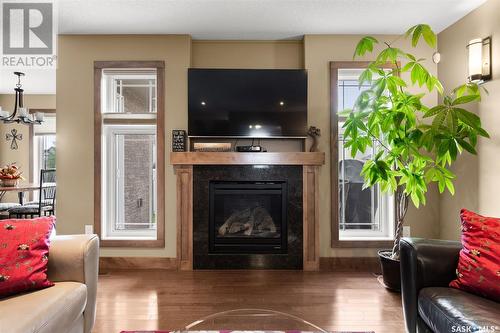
{"x": 359, "y": 214}
{"x": 129, "y": 91}
{"x": 130, "y": 153}
{"x": 129, "y": 171}
{"x": 43, "y": 145}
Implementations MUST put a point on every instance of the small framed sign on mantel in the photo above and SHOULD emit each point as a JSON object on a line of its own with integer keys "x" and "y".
{"x": 179, "y": 140}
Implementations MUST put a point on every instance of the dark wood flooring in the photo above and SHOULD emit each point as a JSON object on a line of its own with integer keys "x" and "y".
{"x": 168, "y": 300}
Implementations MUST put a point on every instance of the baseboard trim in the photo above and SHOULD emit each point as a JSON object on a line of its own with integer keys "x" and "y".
{"x": 116, "y": 263}
{"x": 349, "y": 264}
{"x": 327, "y": 264}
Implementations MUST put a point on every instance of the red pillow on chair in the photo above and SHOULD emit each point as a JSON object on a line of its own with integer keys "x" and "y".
{"x": 478, "y": 268}
{"x": 24, "y": 250}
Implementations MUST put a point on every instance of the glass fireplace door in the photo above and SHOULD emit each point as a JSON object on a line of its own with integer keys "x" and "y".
{"x": 247, "y": 217}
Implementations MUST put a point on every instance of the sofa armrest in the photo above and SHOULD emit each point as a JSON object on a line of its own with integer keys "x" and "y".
{"x": 76, "y": 258}
{"x": 424, "y": 263}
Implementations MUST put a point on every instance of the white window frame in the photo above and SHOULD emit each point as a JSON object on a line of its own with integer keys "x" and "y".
{"x": 112, "y": 109}
{"x": 111, "y": 81}
{"x": 386, "y": 204}
{"x": 47, "y": 128}
{"x": 110, "y": 184}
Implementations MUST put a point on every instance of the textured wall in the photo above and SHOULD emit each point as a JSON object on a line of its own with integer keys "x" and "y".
{"x": 75, "y": 129}
{"x": 478, "y": 177}
{"x": 75, "y": 118}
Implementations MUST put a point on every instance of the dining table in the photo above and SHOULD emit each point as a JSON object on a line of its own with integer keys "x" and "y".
{"x": 20, "y": 189}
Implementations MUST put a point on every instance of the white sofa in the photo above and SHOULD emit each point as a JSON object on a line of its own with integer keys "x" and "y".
{"x": 67, "y": 307}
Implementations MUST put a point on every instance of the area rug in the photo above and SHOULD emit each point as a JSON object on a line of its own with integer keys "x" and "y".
{"x": 228, "y": 331}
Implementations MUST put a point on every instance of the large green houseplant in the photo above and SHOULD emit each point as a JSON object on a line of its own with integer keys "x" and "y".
{"x": 414, "y": 144}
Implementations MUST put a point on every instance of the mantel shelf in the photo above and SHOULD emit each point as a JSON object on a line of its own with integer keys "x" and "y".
{"x": 232, "y": 158}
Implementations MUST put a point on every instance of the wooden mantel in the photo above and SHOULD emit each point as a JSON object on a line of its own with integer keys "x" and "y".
{"x": 184, "y": 162}
{"x": 225, "y": 158}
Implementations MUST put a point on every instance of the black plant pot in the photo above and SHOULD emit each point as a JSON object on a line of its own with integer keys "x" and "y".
{"x": 391, "y": 270}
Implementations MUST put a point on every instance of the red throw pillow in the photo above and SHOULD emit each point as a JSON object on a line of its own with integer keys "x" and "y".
{"x": 24, "y": 250}
{"x": 478, "y": 268}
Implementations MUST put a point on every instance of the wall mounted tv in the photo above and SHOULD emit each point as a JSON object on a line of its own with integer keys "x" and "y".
{"x": 254, "y": 103}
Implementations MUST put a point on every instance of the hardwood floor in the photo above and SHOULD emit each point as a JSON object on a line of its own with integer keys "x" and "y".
{"x": 132, "y": 300}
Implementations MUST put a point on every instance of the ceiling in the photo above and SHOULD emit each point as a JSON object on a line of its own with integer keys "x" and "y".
{"x": 256, "y": 19}
{"x": 241, "y": 19}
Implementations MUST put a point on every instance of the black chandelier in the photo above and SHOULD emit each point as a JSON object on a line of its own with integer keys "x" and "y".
{"x": 20, "y": 114}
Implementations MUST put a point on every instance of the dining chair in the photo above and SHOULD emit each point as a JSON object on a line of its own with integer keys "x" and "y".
{"x": 46, "y": 198}
{"x": 4, "y": 208}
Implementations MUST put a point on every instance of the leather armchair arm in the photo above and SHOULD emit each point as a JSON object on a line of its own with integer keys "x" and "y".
{"x": 424, "y": 263}
{"x": 76, "y": 258}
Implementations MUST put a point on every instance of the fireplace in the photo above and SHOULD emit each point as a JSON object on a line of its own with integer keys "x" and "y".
{"x": 247, "y": 217}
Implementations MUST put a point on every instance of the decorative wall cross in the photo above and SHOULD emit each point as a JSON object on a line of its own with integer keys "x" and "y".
{"x": 13, "y": 137}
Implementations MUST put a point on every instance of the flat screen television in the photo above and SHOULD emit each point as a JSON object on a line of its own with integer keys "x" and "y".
{"x": 255, "y": 103}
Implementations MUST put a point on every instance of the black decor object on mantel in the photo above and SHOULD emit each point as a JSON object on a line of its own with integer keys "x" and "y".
{"x": 179, "y": 138}
{"x": 314, "y": 133}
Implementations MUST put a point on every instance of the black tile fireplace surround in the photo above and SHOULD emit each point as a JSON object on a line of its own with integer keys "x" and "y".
{"x": 247, "y": 217}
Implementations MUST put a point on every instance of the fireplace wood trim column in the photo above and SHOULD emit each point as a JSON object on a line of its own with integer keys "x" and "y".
{"x": 183, "y": 164}
{"x": 310, "y": 184}
{"x": 184, "y": 217}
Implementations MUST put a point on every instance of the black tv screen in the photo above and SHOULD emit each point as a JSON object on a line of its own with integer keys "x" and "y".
{"x": 247, "y": 102}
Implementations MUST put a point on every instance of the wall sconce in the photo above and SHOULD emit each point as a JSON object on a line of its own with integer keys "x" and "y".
{"x": 479, "y": 60}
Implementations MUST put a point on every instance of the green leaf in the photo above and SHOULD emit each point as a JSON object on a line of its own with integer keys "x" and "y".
{"x": 415, "y": 199}
{"x": 398, "y": 81}
{"x": 411, "y": 57}
{"x": 410, "y": 31}
{"x": 408, "y": 66}
{"x": 345, "y": 113}
{"x": 466, "y": 99}
{"x": 389, "y": 54}
{"x": 433, "y": 111}
{"x": 365, "y": 77}
{"x": 460, "y": 90}
{"x": 482, "y": 132}
{"x": 439, "y": 120}
{"x": 467, "y": 146}
{"x": 364, "y": 45}
{"x": 438, "y": 85}
{"x": 420, "y": 30}
{"x": 429, "y": 35}
{"x": 469, "y": 118}
{"x": 416, "y": 35}
{"x": 449, "y": 186}
{"x": 419, "y": 74}
{"x": 452, "y": 122}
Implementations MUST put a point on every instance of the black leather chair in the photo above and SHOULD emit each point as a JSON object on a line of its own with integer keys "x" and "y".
{"x": 429, "y": 305}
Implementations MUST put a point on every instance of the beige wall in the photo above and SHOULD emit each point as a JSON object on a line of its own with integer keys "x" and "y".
{"x": 75, "y": 117}
{"x": 319, "y": 50}
{"x": 75, "y": 136}
{"x": 247, "y": 54}
{"x": 478, "y": 178}
{"x": 21, "y": 155}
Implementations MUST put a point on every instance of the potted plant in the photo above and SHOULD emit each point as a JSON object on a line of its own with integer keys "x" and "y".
{"x": 415, "y": 144}
{"x": 10, "y": 175}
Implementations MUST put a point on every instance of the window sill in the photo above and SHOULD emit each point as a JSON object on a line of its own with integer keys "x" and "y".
{"x": 363, "y": 243}
{"x": 157, "y": 243}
